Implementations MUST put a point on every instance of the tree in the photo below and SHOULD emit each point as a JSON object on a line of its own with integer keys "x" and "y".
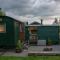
{"x": 2, "y": 13}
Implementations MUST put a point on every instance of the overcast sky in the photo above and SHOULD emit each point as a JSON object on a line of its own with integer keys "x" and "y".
{"x": 31, "y": 7}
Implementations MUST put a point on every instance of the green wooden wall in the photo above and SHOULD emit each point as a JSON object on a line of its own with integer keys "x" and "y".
{"x": 16, "y": 32}
{"x": 45, "y": 33}
{"x": 48, "y": 32}
{"x": 7, "y": 39}
{"x": 26, "y": 33}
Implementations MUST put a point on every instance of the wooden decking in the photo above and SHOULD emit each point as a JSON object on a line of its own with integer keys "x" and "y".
{"x": 38, "y": 50}
{"x": 33, "y": 51}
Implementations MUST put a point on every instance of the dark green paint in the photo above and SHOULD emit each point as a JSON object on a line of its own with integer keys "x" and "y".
{"x": 48, "y": 32}
{"x": 16, "y": 32}
{"x": 26, "y": 33}
{"x": 45, "y": 33}
{"x": 7, "y": 39}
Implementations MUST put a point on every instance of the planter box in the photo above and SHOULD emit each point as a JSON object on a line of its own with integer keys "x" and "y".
{"x": 41, "y": 42}
{"x": 47, "y": 49}
{"x": 18, "y": 51}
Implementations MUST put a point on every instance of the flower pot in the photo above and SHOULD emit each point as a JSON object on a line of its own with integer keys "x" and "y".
{"x": 18, "y": 50}
{"x": 47, "y": 49}
{"x": 49, "y": 42}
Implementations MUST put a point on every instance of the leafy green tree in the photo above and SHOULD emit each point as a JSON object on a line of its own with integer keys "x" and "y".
{"x": 2, "y": 13}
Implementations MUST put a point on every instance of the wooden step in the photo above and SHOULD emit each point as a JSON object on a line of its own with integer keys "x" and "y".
{"x": 37, "y": 53}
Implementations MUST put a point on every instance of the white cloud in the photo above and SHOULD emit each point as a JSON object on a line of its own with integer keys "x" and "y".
{"x": 47, "y": 20}
{"x": 17, "y": 17}
{"x": 32, "y": 7}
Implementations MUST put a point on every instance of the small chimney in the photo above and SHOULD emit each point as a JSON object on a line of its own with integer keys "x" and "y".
{"x": 27, "y": 23}
{"x": 41, "y": 21}
{"x": 56, "y": 20}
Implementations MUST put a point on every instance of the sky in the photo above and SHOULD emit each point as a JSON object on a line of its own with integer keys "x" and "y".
{"x": 31, "y": 7}
{"x": 32, "y": 10}
{"x": 30, "y": 19}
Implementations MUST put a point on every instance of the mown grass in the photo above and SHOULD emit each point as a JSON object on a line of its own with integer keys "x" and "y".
{"x": 30, "y": 58}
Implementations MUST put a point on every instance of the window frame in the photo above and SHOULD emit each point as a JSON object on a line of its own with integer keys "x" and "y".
{"x": 4, "y": 24}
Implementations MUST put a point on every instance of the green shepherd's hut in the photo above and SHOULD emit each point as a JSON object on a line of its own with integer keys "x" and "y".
{"x": 9, "y": 31}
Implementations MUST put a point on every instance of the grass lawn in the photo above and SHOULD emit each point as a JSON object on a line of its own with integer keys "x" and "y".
{"x": 30, "y": 58}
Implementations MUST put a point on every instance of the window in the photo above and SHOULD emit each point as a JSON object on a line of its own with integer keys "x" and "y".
{"x": 2, "y": 28}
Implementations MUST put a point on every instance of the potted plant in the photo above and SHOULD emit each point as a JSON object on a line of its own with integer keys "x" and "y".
{"x": 19, "y": 47}
{"x": 49, "y": 41}
{"x": 48, "y": 48}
